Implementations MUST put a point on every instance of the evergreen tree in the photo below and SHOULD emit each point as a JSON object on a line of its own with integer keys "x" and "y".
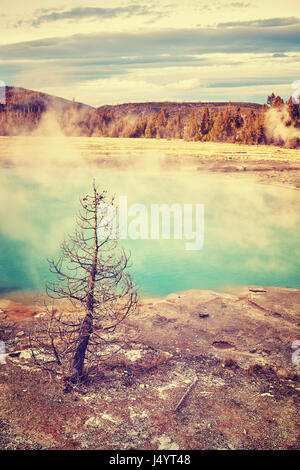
{"x": 206, "y": 124}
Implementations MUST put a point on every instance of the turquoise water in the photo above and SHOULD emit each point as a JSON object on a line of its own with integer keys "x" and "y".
{"x": 251, "y": 232}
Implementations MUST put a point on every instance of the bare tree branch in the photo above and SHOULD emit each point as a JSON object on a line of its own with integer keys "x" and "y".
{"x": 91, "y": 276}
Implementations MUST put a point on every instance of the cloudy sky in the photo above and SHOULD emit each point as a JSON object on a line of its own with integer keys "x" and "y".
{"x": 102, "y": 52}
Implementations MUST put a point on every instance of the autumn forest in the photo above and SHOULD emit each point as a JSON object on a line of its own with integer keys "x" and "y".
{"x": 276, "y": 122}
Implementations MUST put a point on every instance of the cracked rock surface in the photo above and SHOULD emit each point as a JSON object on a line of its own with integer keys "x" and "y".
{"x": 224, "y": 357}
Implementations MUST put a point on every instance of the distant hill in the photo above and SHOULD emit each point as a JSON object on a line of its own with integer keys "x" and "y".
{"x": 22, "y": 97}
{"x": 24, "y": 109}
{"x": 172, "y": 108}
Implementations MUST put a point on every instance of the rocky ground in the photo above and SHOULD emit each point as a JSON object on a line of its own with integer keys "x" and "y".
{"x": 264, "y": 164}
{"x": 203, "y": 370}
{"x": 276, "y": 166}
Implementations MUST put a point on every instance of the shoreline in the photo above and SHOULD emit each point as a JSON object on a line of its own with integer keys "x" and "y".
{"x": 263, "y": 164}
{"x": 29, "y": 303}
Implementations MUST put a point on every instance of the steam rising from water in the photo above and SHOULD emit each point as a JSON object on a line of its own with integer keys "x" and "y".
{"x": 277, "y": 122}
{"x": 250, "y": 230}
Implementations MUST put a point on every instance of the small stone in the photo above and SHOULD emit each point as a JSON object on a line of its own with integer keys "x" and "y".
{"x": 282, "y": 373}
{"x": 15, "y": 354}
{"x": 165, "y": 443}
{"x": 25, "y": 354}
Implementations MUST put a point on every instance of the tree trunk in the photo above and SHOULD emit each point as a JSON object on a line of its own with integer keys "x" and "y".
{"x": 87, "y": 325}
{"x": 83, "y": 340}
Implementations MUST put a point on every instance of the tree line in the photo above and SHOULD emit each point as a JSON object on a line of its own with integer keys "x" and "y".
{"x": 226, "y": 123}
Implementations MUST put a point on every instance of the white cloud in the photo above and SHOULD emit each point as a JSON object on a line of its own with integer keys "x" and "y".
{"x": 187, "y": 84}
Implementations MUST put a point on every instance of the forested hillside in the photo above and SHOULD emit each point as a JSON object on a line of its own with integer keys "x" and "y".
{"x": 275, "y": 122}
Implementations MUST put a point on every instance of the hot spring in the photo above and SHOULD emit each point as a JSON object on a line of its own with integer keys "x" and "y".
{"x": 250, "y": 231}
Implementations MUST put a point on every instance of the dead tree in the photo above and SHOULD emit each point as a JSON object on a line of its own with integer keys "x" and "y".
{"x": 91, "y": 273}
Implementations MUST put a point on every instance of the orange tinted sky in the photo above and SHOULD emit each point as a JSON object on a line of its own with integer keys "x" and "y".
{"x": 124, "y": 51}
